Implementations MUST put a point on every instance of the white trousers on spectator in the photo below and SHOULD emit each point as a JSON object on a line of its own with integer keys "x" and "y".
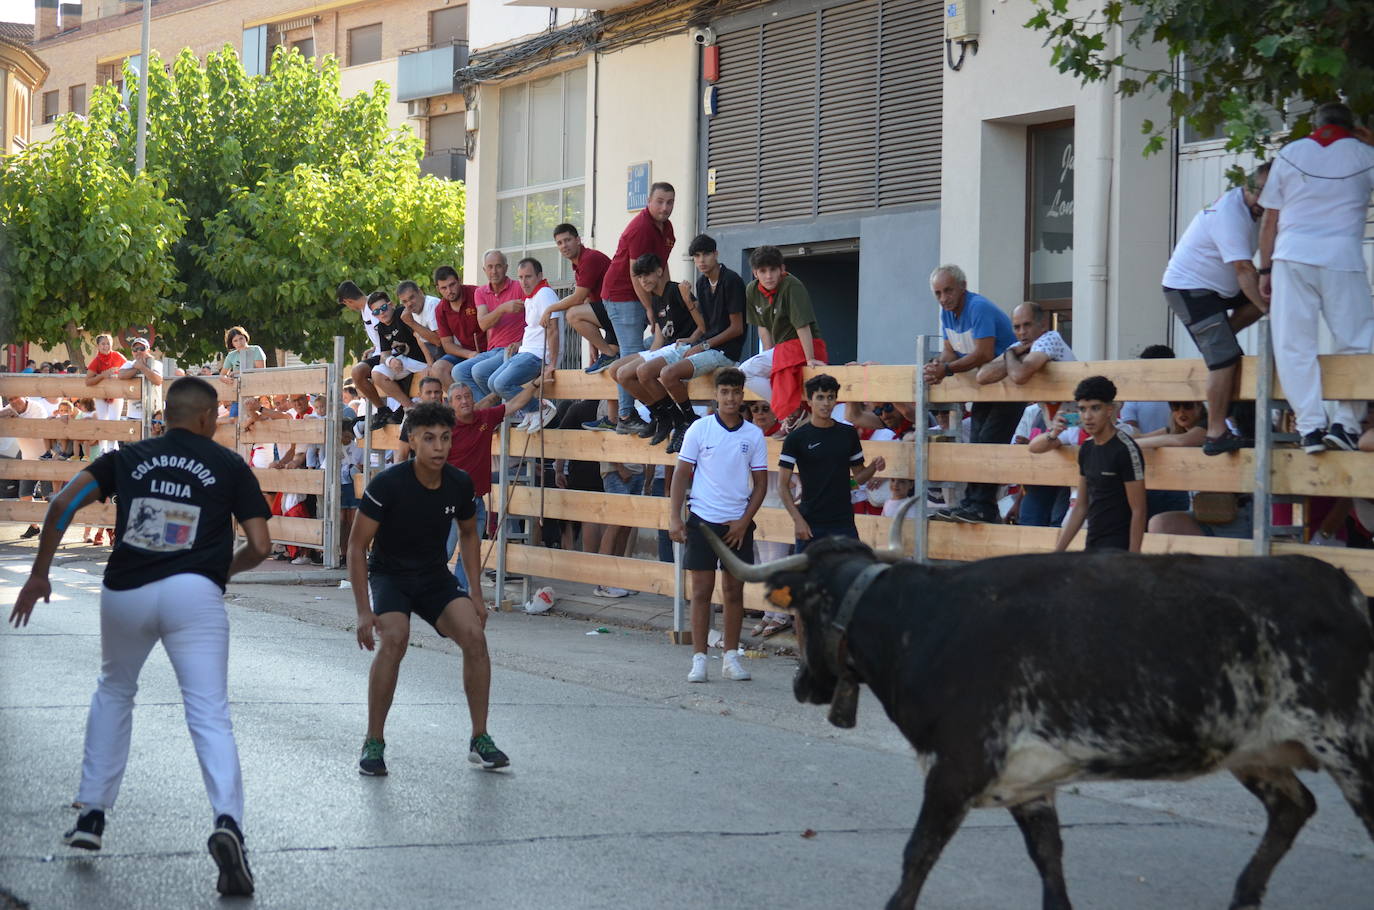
{"x": 186, "y": 613}
{"x": 108, "y": 410}
{"x": 758, "y": 375}
{"x": 1301, "y": 291}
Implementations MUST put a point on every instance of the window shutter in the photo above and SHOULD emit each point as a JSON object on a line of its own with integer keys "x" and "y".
{"x": 787, "y": 148}
{"x": 849, "y": 109}
{"x": 910, "y": 76}
{"x": 733, "y": 134}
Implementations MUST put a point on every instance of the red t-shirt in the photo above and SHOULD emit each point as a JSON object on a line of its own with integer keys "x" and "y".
{"x": 640, "y": 236}
{"x": 470, "y": 450}
{"x": 461, "y": 324}
{"x": 102, "y": 362}
{"x": 590, "y": 271}
{"x": 510, "y": 328}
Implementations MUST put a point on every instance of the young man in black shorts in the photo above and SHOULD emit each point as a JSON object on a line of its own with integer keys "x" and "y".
{"x": 405, "y": 516}
{"x": 1111, "y": 483}
{"x": 725, "y": 459}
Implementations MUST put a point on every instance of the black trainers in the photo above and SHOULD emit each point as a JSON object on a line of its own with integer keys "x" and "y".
{"x": 679, "y": 434}
{"x": 1226, "y": 442}
{"x": 1314, "y": 443}
{"x": 482, "y": 751}
{"x": 226, "y": 848}
{"x": 85, "y": 835}
{"x": 650, "y": 429}
{"x": 971, "y": 516}
{"x": 372, "y": 762}
{"x": 33, "y": 531}
{"x": 630, "y": 425}
{"x": 1338, "y": 439}
{"x": 397, "y": 416}
{"x": 664, "y": 430}
{"x": 380, "y": 419}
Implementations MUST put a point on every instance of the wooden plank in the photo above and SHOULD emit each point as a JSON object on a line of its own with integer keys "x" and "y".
{"x": 306, "y": 531}
{"x": 1296, "y": 473}
{"x": 66, "y": 385}
{"x": 283, "y": 431}
{"x": 1344, "y": 377}
{"x": 297, "y": 480}
{"x": 227, "y": 435}
{"x": 58, "y": 472}
{"x": 292, "y": 381}
{"x": 87, "y": 430}
{"x": 33, "y": 512}
{"x": 388, "y": 438}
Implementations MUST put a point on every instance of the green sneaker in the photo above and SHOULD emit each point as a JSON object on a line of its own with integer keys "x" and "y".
{"x": 482, "y": 751}
{"x": 372, "y": 764}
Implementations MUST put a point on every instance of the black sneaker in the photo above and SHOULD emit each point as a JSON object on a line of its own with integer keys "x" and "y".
{"x": 372, "y": 762}
{"x": 397, "y": 417}
{"x": 33, "y": 531}
{"x": 650, "y": 429}
{"x": 1314, "y": 443}
{"x": 970, "y": 516}
{"x": 1226, "y": 442}
{"x": 600, "y": 425}
{"x": 1338, "y": 439}
{"x": 664, "y": 430}
{"x": 380, "y": 419}
{"x": 629, "y": 426}
{"x": 90, "y": 825}
{"x": 226, "y": 847}
{"x": 945, "y": 514}
{"x": 679, "y": 434}
{"x": 482, "y": 751}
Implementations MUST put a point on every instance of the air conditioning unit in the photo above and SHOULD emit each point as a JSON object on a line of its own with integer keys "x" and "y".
{"x": 417, "y": 109}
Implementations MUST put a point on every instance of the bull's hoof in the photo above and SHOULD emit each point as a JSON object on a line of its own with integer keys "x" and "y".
{"x": 844, "y": 706}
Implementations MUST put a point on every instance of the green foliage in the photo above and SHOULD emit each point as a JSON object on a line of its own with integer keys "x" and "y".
{"x": 286, "y": 188}
{"x": 1237, "y": 65}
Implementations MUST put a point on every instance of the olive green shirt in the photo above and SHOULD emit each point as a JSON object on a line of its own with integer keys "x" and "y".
{"x": 791, "y": 308}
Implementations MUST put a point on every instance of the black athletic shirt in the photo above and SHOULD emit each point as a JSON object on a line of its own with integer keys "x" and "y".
{"x": 397, "y": 340}
{"x": 672, "y": 315}
{"x": 1108, "y": 468}
{"x": 413, "y": 520}
{"x": 823, "y": 459}
{"x": 716, "y": 307}
{"x": 176, "y": 494}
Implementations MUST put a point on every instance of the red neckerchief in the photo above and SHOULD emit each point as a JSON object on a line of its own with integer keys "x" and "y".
{"x": 542, "y": 284}
{"x": 1328, "y": 134}
{"x": 770, "y": 297}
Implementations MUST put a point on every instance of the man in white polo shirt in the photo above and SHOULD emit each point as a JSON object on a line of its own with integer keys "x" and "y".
{"x": 1210, "y": 275}
{"x": 1316, "y": 203}
{"x": 725, "y": 459}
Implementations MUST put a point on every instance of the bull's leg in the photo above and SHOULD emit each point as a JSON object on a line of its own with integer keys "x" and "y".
{"x": 943, "y": 809}
{"x": 1353, "y": 770}
{"x": 1289, "y": 805}
{"x": 1039, "y": 823}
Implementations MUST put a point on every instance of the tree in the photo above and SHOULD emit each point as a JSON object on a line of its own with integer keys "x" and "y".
{"x": 1251, "y": 68}
{"x": 87, "y": 244}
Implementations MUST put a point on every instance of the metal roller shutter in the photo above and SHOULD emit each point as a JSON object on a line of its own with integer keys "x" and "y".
{"x": 848, "y": 109}
{"x": 787, "y": 152}
{"x": 733, "y": 137}
{"x": 910, "y": 79}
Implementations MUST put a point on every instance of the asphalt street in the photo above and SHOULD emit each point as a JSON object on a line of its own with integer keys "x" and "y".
{"x": 629, "y": 787}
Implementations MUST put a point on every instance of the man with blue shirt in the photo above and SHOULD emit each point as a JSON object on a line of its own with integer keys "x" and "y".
{"x": 976, "y": 330}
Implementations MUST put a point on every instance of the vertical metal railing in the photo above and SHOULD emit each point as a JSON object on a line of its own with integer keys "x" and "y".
{"x": 921, "y": 472}
{"x": 503, "y": 509}
{"x": 1262, "y": 498}
{"x": 330, "y": 502}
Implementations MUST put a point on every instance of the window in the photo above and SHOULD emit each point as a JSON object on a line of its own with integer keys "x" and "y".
{"x": 449, "y": 25}
{"x": 306, "y": 46}
{"x": 447, "y": 132}
{"x": 542, "y": 173}
{"x": 50, "y": 102}
{"x": 1049, "y": 217}
{"x": 77, "y": 99}
{"x": 365, "y": 44}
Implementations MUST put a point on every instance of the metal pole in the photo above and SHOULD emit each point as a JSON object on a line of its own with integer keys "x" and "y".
{"x": 145, "y": 392}
{"x": 141, "y": 142}
{"x": 921, "y": 475}
{"x": 333, "y": 457}
{"x": 1264, "y": 431}
{"x": 503, "y": 508}
{"x": 677, "y": 591}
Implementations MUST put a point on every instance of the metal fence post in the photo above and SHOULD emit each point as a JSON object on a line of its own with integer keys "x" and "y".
{"x": 503, "y": 509}
{"x": 677, "y": 591}
{"x": 921, "y": 474}
{"x": 1262, "y": 497}
{"x": 145, "y": 392}
{"x": 333, "y": 456}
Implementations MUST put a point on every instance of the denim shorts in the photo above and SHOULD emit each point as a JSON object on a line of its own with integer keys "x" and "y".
{"x": 612, "y": 483}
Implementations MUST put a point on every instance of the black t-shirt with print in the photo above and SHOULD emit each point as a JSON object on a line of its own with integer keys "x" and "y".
{"x": 1108, "y": 468}
{"x": 176, "y": 496}
{"x": 413, "y": 520}
{"x": 396, "y": 339}
{"x": 717, "y": 305}
{"x": 672, "y": 316}
{"x": 823, "y": 457}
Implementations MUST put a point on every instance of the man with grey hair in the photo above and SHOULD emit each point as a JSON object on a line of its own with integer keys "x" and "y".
{"x": 501, "y": 314}
{"x": 975, "y": 332}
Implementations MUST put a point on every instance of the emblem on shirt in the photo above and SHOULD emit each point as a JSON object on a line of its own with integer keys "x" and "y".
{"x": 450, "y": 510}
{"x": 160, "y": 525}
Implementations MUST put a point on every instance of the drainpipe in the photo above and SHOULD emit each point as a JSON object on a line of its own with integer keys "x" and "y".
{"x": 1093, "y": 317}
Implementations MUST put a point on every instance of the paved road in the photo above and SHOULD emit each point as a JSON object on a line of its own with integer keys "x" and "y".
{"x": 629, "y": 787}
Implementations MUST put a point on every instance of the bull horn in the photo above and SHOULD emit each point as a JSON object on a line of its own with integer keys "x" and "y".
{"x": 745, "y": 571}
{"x": 894, "y": 553}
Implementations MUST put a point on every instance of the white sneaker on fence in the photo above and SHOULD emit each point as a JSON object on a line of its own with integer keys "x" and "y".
{"x": 731, "y": 668}
{"x": 698, "y": 673}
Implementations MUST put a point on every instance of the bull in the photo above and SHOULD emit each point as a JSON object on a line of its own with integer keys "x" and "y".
{"x": 1149, "y": 667}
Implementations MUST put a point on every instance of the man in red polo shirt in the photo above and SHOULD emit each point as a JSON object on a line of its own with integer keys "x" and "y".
{"x": 585, "y": 311}
{"x": 501, "y": 315}
{"x": 470, "y": 451}
{"x": 460, "y": 334}
{"x": 626, "y": 303}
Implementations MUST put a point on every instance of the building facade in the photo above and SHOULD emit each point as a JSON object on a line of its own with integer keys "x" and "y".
{"x": 21, "y": 75}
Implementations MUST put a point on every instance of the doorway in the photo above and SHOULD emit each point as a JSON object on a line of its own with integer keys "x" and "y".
{"x": 830, "y": 271}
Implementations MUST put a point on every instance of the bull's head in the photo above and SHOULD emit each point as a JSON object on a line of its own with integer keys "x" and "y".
{"x": 812, "y": 585}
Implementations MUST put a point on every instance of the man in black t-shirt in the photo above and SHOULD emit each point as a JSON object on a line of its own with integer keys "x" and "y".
{"x": 825, "y": 454}
{"x": 1111, "y": 484}
{"x": 720, "y": 297}
{"x": 177, "y": 496}
{"x": 405, "y": 516}
{"x": 677, "y": 327}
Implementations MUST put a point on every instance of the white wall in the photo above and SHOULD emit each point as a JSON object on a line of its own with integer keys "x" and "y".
{"x": 355, "y": 79}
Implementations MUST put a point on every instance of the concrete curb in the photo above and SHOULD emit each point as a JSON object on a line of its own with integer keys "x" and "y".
{"x": 320, "y": 577}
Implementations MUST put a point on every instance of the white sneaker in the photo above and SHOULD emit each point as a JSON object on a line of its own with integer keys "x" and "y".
{"x": 731, "y": 668}
{"x": 301, "y": 561}
{"x": 524, "y": 424}
{"x": 548, "y": 413}
{"x": 698, "y": 673}
{"x": 604, "y": 591}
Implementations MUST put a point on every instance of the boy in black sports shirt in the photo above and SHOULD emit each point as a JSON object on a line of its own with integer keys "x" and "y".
{"x": 1111, "y": 484}
{"x": 177, "y": 497}
{"x": 405, "y": 515}
{"x": 825, "y": 454}
{"x": 399, "y": 354}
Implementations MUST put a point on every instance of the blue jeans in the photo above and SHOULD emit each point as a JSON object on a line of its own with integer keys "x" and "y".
{"x": 458, "y": 570}
{"x": 475, "y": 372}
{"x": 629, "y": 321}
{"x": 508, "y": 378}
{"x": 1043, "y": 507}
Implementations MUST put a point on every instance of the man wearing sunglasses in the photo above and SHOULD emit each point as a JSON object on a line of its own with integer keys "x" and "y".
{"x": 397, "y": 357}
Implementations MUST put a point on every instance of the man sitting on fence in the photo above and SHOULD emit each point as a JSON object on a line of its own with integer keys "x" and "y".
{"x": 399, "y": 355}
{"x": 538, "y": 353}
{"x": 780, "y": 306}
{"x": 460, "y": 334}
{"x": 1036, "y": 345}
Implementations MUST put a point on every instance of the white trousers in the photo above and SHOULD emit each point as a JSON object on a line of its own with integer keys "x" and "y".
{"x": 1302, "y": 291}
{"x": 108, "y": 410}
{"x": 758, "y": 375}
{"x": 186, "y": 613}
